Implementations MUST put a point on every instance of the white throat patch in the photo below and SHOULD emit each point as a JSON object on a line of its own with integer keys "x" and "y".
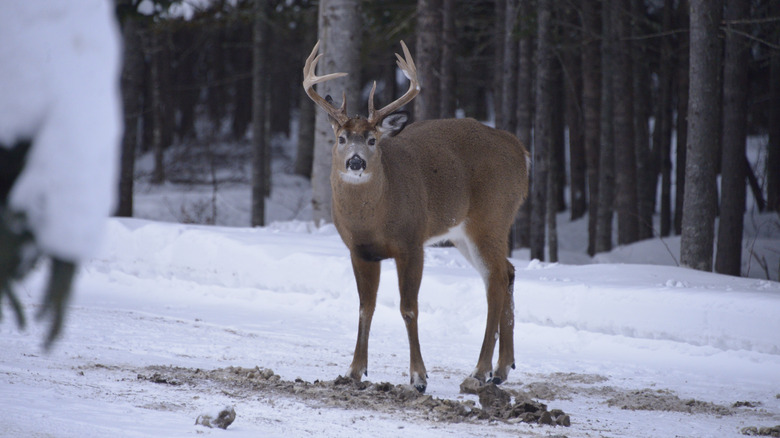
{"x": 355, "y": 177}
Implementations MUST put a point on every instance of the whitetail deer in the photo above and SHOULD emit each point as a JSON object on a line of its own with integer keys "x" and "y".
{"x": 397, "y": 188}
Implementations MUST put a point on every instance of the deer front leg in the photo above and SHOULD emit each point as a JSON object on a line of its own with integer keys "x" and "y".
{"x": 367, "y": 278}
{"x": 410, "y": 267}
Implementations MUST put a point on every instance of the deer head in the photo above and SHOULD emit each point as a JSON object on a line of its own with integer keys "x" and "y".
{"x": 355, "y": 153}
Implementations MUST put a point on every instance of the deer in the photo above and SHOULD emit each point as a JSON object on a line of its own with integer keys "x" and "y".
{"x": 399, "y": 187}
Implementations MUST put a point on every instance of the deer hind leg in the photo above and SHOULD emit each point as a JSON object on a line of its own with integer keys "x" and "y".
{"x": 506, "y": 331}
{"x": 410, "y": 267}
{"x": 367, "y": 278}
{"x": 488, "y": 259}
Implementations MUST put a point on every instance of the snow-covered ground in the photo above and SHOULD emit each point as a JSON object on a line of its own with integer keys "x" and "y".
{"x": 590, "y": 338}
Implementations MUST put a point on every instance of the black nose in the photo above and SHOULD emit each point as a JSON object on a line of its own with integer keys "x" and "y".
{"x": 356, "y": 163}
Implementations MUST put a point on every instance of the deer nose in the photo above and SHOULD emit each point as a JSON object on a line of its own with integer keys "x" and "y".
{"x": 356, "y": 163}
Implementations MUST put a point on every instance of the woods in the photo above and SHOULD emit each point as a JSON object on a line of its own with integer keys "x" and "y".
{"x": 636, "y": 113}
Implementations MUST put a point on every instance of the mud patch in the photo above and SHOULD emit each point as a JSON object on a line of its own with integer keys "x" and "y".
{"x": 663, "y": 400}
{"x": 236, "y": 382}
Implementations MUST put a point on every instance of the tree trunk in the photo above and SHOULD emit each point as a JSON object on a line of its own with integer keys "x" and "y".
{"x": 259, "y": 97}
{"x": 428, "y": 59}
{"x": 773, "y": 148}
{"x": 498, "y": 61}
{"x": 157, "y": 107}
{"x": 683, "y": 85}
{"x": 662, "y": 132}
{"x": 623, "y": 126}
{"x": 735, "y": 105}
{"x": 646, "y": 169}
{"x": 606, "y": 148}
{"x": 572, "y": 77}
{"x": 698, "y": 204}
{"x": 132, "y": 93}
{"x": 522, "y": 236}
{"x": 591, "y": 109}
{"x": 306, "y": 112}
{"x": 339, "y": 34}
{"x": 509, "y": 70}
{"x": 449, "y": 45}
{"x": 542, "y": 127}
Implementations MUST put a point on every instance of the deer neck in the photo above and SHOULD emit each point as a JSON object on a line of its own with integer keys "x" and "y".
{"x": 358, "y": 203}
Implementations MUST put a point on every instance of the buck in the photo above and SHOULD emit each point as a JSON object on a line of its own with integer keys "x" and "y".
{"x": 398, "y": 188}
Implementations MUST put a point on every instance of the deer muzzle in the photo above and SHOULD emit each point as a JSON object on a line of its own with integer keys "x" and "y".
{"x": 356, "y": 163}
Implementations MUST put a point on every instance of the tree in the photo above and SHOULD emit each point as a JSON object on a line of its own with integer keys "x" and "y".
{"x": 572, "y": 77}
{"x": 259, "y": 97}
{"x": 428, "y": 58}
{"x": 773, "y": 153}
{"x": 735, "y": 104}
{"x": 703, "y": 132}
{"x": 623, "y": 128}
{"x": 591, "y": 109}
{"x": 448, "y": 66}
{"x": 542, "y": 127}
{"x": 683, "y": 86}
{"x": 525, "y": 102}
{"x": 662, "y": 132}
{"x": 606, "y": 145}
{"x": 340, "y": 37}
{"x": 646, "y": 169}
{"x": 132, "y": 93}
{"x": 509, "y": 70}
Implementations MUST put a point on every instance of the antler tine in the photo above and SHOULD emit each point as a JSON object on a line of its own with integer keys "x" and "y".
{"x": 406, "y": 64}
{"x": 310, "y": 78}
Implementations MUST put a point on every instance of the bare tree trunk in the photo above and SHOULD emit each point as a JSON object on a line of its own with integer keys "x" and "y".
{"x": 591, "y": 109}
{"x": 153, "y": 48}
{"x": 683, "y": 86}
{"x": 339, "y": 34}
{"x": 132, "y": 93}
{"x": 524, "y": 113}
{"x": 259, "y": 97}
{"x": 773, "y": 152}
{"x": 498, "y": 38}
{"x": 306, "y": 114}
{"x": 646, "y": 169}
{"x": 662, "y": 132}
{"x": 607, "y": 147}
{"x": 542, "y": 127}
{"x": 509, "y": 70}
{"x": 623, "y": 126}
{"x": 699, "y": 202}
{"x": 428, "y": 58}
{"x": 449, "y": 43}
{"x": 735, "y": 105}
{"x": 572, "y": 77}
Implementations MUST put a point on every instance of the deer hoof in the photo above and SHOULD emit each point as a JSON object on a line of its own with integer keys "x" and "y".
{"x": 358, "y": 374}
{"x": 419, "y": 383}
{"x": 501, "y": 374}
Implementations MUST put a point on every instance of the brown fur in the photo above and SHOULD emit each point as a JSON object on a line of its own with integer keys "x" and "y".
{"x": 433, "y": 176}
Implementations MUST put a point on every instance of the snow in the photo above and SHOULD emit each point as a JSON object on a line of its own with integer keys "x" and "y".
{"x": 283, "y": 297}
{"x": 59, "y": 66}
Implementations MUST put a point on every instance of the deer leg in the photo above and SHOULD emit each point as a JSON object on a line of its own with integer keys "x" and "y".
{"x": 367, "y": 278}
{"x": 489, "y": 261}
{"x": 410, "y": 267}
{"x": 506, "y": 331}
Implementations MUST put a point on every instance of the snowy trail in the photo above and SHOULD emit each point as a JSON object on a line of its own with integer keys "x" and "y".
{"x": 283, "y": 298}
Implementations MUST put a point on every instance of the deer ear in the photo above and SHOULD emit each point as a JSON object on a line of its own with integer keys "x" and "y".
{"x": 394, "y": 123}
{"x": 333, "y": 122}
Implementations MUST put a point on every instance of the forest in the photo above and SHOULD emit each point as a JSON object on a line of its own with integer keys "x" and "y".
{"x": 636, "y": 112}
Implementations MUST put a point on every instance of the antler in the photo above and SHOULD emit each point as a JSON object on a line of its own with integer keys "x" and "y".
{"x": 310, "y": 78}
{"x": 410, "y": 71}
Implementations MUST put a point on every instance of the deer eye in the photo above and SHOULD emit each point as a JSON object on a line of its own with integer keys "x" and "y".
{"x": 342, "y": 140}
{"x": 371, "y": 141}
